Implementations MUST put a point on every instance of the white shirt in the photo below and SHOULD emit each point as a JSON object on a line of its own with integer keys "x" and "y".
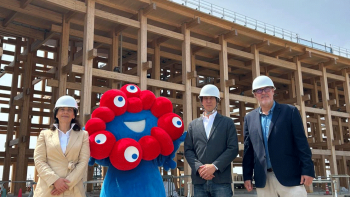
{"x": 208, "y": 123}
{"x": 64, "y": 137}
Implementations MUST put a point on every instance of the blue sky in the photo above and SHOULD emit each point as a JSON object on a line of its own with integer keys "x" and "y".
{"x": 323, "y": 21}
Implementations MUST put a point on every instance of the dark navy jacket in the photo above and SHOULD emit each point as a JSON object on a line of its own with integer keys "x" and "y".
{"x": 289, "y": 150}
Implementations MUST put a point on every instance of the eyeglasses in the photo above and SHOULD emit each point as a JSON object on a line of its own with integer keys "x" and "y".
{"x": 266, "y": 90}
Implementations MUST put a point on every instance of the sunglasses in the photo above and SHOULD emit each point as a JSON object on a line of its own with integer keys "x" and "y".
{"x": 266, "y": 90}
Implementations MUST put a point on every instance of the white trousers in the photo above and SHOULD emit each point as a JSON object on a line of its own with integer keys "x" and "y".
{"x": 273, "y": 188}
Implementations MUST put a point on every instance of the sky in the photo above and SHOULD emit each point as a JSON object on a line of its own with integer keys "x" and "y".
{"x": 323, "y": 21}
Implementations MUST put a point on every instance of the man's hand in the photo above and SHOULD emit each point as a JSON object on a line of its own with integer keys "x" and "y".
{"x": 248, "y": 185}
{"x": 55, "y": 192}
{"x": 207, "y": 171}
{"x": 306, "y": 180}
{"x": 61, "y": 185}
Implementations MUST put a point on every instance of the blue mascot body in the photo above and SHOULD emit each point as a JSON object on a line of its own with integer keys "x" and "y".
{"x": 133, "y": 133}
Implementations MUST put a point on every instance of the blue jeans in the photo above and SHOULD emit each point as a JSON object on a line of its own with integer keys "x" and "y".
{"x": 211, "y": 189}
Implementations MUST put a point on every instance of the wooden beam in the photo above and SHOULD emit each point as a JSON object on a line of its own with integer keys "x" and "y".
{"x": 294, "y": 100}
{"x": 17, "y": 30}
{"x": 147, "y": 65}
{"x": 193, "y": 23}
{"x": 92, "y": 54}
{"x": 9, "y": 18}
{"x": 69, "y": 15}
{"x": 13, "y": 142}
{"x": 281, "y": 52}
{"x": 230, "y": 35}
{"x": 230, "y": 82}
{"x": 149, "y": 9}
{"x": 25, "y": 3}
{"x": 306, "y": 55}
{"x": 347, "y": 70}
{"x": 37, "y": 44}
{"x": 330, "y": 63}
{"x": 263, "y": 44}
{"x": 192, "y": 74}
{"x": 205, "y": 44}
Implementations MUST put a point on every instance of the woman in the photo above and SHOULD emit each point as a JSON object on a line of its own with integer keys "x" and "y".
{"x": 62, "y": 153}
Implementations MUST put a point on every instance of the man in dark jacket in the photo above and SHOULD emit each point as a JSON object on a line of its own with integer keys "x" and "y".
{"x": 210, "y": 146}
{"x": 275, "y": 146}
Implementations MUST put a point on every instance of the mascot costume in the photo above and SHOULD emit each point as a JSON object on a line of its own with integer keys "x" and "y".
{"x": 133, "y": 133}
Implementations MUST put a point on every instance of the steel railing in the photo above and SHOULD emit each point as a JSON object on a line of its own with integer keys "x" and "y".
{"x": 235, "y": 17}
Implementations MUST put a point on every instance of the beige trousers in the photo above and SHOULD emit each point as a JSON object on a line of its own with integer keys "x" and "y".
{"x": 273, "y": 188}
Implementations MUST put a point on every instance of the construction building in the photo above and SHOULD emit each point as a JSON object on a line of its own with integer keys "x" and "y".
{"x": 84, "y": 48}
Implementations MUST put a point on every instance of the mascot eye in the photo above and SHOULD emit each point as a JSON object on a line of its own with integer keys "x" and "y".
{"x": 131, "y": 88}
{"x": 177, "y": 122}
{"x": 131, "y": 154}
{"x": 100, "y": 139}
{"x": 119, "y": 101}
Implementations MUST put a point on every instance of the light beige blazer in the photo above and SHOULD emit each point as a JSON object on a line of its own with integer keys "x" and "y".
{"x": 52, "y": 164}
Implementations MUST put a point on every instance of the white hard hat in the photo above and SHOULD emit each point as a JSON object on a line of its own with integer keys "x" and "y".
{"x": 66, "y": 101}
{"x": 210, "y": 90}
{"x": 262, "y": 81}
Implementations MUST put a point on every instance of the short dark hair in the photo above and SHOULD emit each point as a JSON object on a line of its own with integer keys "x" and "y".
{"x": 217, "y": 99}
{"x": 76, "y": 127}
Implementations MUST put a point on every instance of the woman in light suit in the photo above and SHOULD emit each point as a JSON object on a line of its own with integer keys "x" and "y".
{"x": 62, "y": 153}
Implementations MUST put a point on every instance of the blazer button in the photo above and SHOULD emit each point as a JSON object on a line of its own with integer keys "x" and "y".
{"x": 264, "y": 156}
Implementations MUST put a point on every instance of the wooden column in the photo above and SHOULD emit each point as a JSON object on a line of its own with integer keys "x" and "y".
{"x": 113, "y": 58}
{"x": 24, "y": 132}
{"x": 11, "y": 115}
{"x": 1, "y": 45}
{"x": 156, "y": 66}
{"x": 186, "y": 69}
{"x": 85, "y": 94}
{"x": 187, "y": 108}
{"x": 291, "y": 86}
{"x": 321, "y": 162}
{"x": 142, "y": 50}
{"x": 255, "y": 66}
{"x": 346, "y": 87}
{"x": 328, "y": 120}
{"x": 88, "y": 43}
{"x": 194, "y": 84}
{"x": 300, "y": 92}
{"x": 71, "y": 77}
{"x": 63, "y": 61}
{"x": 225, "y": 101}
{"x": 255, "y": 62}
{"x": 242, "y": 113}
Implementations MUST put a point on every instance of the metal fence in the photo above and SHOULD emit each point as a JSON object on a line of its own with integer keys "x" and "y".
{"x": 246, "y": 21}
{"x": 175, "y": 185}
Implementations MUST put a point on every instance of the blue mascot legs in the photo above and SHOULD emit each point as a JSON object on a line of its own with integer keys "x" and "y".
{"x": 143, "y": 181}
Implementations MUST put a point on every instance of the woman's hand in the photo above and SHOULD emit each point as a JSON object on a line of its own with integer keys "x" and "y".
{"x": 55, "y": 192}
{"x": 60, "y": 184}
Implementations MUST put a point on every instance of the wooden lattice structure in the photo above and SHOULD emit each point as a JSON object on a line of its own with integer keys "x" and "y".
{"x": 91, "y": 46}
